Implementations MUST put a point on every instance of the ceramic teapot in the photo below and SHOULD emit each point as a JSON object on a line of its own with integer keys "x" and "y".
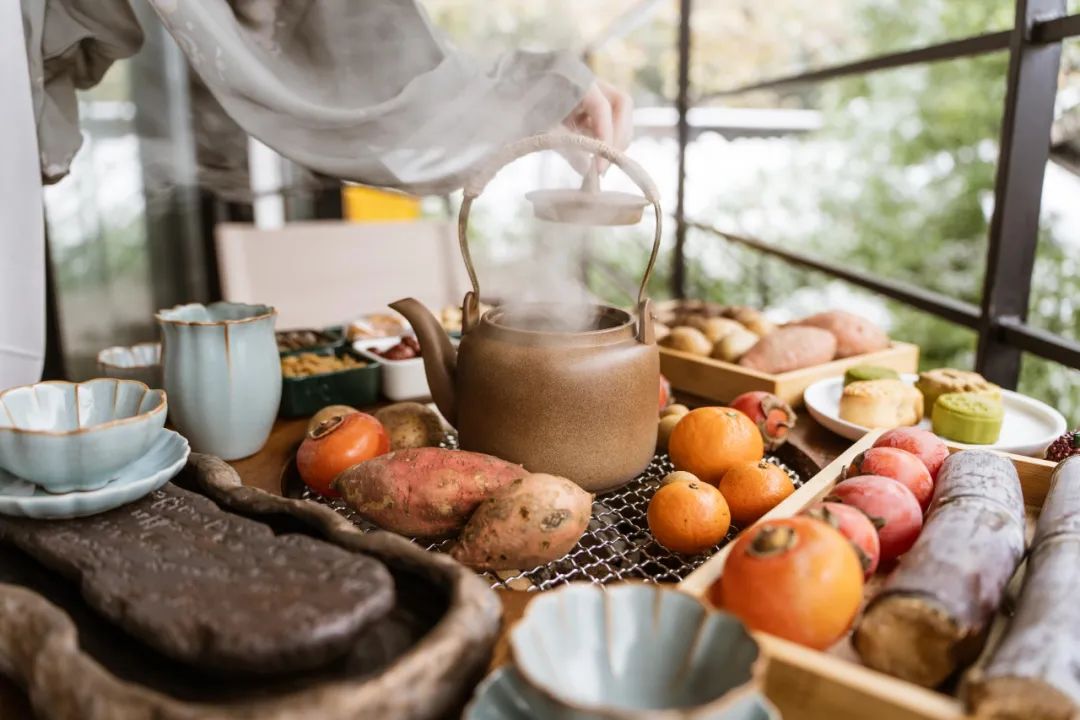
{"x": 575, "y": 399}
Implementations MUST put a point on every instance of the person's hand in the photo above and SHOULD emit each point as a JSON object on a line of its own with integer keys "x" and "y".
{"x": 605, "y": 113}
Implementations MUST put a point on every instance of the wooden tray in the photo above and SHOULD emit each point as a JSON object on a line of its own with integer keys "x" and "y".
{"x": 723, "y": 381}
{"x": 421, "y": 662}
{"x": 809, "y": 685}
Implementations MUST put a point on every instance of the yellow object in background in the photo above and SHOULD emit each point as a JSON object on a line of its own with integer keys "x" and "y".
{"x": 365, "y": 204}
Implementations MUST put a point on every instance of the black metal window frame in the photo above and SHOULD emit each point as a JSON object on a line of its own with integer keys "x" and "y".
{"x": 1034, "y": 46}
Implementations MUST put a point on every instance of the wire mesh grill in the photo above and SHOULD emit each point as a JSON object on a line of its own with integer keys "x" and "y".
{"x": 616, "y": 546}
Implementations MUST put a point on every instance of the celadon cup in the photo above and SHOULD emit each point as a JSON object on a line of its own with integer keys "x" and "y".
{"x": 222, "y": 374}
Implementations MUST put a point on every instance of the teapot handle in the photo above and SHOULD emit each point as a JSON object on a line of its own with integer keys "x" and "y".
{"x": 557, "y": 141}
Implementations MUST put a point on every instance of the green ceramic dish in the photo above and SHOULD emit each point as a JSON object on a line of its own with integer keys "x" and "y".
{"x": 355, "y": 386}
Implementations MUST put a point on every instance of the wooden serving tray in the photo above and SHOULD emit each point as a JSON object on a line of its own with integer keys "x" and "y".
{"x": 809, "y": 685}
{"x": 419, "y": 662}
{"x": 723, "y": 381}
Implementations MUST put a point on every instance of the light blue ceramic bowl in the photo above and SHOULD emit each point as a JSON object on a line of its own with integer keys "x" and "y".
{"x": 77, "y": 436}
{"x": 140, "y": 362}
{"x": 505, "y": 696}
{"x": 634, "y": 651}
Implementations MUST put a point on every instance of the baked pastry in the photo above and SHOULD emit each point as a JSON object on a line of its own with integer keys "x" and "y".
{"x": 869, "y": 372}
{"x": 934, "y": 383}
{"x": 881, "y": 404}
{"x": 972, "y": 418}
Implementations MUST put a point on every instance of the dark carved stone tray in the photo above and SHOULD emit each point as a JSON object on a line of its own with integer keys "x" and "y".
{"x": 420, "y": 662}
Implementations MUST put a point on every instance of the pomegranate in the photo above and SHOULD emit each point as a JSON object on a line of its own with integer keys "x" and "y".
{"x": 773, "y": 416}
{"x": 890, "y": 506}
{"x": 901, "y": 466}
{"x": 855, "y": 526}
{"x": 921, "y": 443}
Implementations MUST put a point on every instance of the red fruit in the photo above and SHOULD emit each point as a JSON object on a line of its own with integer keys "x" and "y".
{"x": 773, "y": 416}
{"x": 853, "y": 524}
{"x": 901, "y": 466}
{"x": 336, "y": 444}
{"x": 1066, "y": 445}
{"x": 890, "y": 506}
{"x": 665, "y": 392}
{"x": 923, "y": 444}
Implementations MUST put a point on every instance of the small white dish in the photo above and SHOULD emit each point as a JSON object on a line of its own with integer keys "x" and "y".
{"x": 165, "y": 458}
{"x": 401, "y": 379}
{"x": 1028, "y": 428}
{"x": 141, "y": 362}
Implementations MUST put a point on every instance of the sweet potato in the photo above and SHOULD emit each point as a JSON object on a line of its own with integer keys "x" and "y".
{"x": 790, "y": 348}
{"x": 423, "y": 492}
{"x": 854, "y": 335}
{"x": 530, "y": 522}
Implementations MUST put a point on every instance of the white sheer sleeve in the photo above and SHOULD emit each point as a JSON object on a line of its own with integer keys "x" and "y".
{"x": 366, "y": 90}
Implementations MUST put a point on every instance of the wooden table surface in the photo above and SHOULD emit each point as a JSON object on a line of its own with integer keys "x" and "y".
{"x": 263, "y": 470}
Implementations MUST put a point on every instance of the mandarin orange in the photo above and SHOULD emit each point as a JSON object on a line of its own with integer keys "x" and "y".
{"x": 688, "y": 517}
{"x": 709, "y": 440}
{"x": 753, "y": 489}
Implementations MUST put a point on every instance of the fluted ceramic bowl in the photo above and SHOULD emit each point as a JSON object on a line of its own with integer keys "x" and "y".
{"x": 633, "y": 651}
{"x": 140, "y": 362}
{"x": 77, "y": 436}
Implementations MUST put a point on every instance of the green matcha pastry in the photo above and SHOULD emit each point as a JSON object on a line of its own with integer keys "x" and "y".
{"x": 859, "y": 373}
{"x": 935, "y": 383}
{"x": 972, "y": 418}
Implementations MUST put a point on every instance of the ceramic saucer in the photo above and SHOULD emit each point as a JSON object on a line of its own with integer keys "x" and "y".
{"x": 503, "y": 695}
{"x": 167, "y": 455}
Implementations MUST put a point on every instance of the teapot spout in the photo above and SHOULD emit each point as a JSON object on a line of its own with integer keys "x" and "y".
{"x": 439, "y": 354}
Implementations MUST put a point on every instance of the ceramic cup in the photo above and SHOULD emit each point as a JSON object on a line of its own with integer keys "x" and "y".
{"x": 222, "y": 374}
{"x": 140, "y": 362}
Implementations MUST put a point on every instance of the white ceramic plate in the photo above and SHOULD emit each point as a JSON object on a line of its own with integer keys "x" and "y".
{"x": 166, "y": 457}
{"x": 1029, "y": 425}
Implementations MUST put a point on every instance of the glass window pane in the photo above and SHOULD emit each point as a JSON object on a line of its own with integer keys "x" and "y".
{"x": 891, "y": 173}
{"x": 744, "y": 41}
{"x": 1055, "y": 384}
{"x": 1056, "y": 284}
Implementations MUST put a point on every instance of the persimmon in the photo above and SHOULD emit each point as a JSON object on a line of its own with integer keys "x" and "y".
{"x": 709, "y": 440}
{"x": 336, "y": 444}
{"x": 753, "y": 489}
{"x": 688, "y": 517}
{"x": 796, "y": 578}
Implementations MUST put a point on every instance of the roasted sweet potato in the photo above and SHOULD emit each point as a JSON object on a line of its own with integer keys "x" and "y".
{"x": 790, "y": 348}
{"x": 531, "y": 521}
{"x": 423, "y": 492}
{"x": 854, "y": 335}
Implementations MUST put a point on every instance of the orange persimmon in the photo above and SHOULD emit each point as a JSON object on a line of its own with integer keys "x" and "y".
{"x": 709, "y": 440}
{"x": 796, "y": 578}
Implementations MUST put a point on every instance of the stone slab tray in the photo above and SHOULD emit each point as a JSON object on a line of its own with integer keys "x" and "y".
{"x": 211, "y": 588}
{"x": 419, "y": 662}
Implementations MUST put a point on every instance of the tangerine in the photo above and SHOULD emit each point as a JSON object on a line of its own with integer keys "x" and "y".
{"x": 688, "y": 517}
{"x": 796, "y": 578}
{"x": 710, "y": 440}
{"x": 753, "y": 489}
